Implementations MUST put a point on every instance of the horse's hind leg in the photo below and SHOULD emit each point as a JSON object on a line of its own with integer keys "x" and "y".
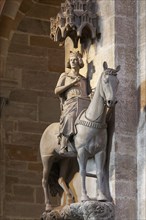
{"x": 47, "y": 164}
{"x": 82, "y": 160}
{"x": 62, "y": 181}
{"x": 100, "y": 160}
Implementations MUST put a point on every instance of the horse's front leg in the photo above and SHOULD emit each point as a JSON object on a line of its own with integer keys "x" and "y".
{"x": 82, "y": 160}
{"x": 47, "y": 164}
{"x": 100, "y": 160}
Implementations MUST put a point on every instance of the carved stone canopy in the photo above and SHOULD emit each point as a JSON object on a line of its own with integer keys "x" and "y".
{"x": 76, "y": 19}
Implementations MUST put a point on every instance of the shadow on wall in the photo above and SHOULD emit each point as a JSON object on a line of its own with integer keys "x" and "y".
{"x": 142, "y": 106}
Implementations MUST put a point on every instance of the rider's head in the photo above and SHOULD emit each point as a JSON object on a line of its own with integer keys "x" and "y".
{"x": 75, "y": 58}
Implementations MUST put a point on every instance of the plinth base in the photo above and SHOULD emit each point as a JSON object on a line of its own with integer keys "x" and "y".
{"x": 89, "y": 210}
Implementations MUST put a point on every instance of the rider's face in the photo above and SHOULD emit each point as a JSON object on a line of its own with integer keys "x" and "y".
{"x": 74, "y": 62}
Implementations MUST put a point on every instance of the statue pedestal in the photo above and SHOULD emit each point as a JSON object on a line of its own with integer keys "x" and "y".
{"x": 89, "y": 210}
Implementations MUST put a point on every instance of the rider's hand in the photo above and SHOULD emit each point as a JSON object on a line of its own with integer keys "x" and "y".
{"x": 77, "y": 79}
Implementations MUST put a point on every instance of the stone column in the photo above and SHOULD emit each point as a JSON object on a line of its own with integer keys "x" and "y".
{"x": 126, "y": 110}
{"x": 141, "y": 87}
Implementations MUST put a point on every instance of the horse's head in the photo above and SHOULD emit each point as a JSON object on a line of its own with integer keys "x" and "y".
{"x": 109, "y": 85}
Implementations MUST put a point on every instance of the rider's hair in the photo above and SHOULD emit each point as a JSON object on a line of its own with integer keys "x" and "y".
{"x": 78, "y": 55}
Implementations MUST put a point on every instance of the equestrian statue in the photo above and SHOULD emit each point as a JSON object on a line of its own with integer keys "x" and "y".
{"x": 81, "y": 134}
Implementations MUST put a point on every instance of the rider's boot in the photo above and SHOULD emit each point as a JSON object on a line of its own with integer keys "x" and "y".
{"x": 63, "y": 146}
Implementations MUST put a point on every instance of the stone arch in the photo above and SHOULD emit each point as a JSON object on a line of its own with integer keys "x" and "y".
{"x": 12, "y": 12}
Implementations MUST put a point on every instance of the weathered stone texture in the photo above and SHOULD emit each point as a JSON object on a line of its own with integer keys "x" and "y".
{"x": 20, "y": 38}
{"x": 24, "y": 96}
{"x": 126, "y": 110}
{"x": 51, "y": 2}
{"x": 28, "y": 50}
{"x": 20, "y": 153}
{"x": 128, "y": 9}
{"x": 29, "y": 178}
{"x": 10, "y": 9}
{"x": 56, "y": 60}
{"x": 17, "y": 210}
{"x": 21, "y": 111}
{"x": 33, "y": 66}
{"x": 35, "y": 166}
{"x": 24, "y": 139}
{"x": 126, "y": 188}
{"x": 10, "y": 181}
{"x": 38, "y": 80}
{"x": 27, "y": 62}
{"x": 124, "y": 208}
{"x": 43, "y": 11}
{"x": 141, "y": 132}
{"x": 45, "y": 108}
{"x": 32, "y": 127}
{"x": 43, "y": 41}
{"x": 29, "y": 75}
{"x": 3, "y": 46}
{"x": 34, "y": 26}
{"x": 26, "y": 6}
{"x": 6, "y": 25}
{"x": 125, "y": 168}
{"x": 122, "y": 25}
{"x": 21, "y": 194}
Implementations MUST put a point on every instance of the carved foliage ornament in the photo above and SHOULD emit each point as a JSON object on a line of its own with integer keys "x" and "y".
{"x": 76, "y": 19}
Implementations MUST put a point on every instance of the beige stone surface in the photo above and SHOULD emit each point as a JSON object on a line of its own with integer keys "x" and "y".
{"x": 20, "y": 153}
{"x": 28, "y": 50}
{"x": 125, "y": 207}
{"x": 6, "y": 24}
{"x": 43, "y": 41}
{"x": 21, "y": 111}
{"x": 45, "y": 107}
{"x": 43, "y": 11}
{"x": 30, "y": 72}
{"x": 34, "y": 26}
{"x": 19, "y": 38}
{"x": 10, "y": 8}
{"x": 26, "y": 6}
{"x": 27, "y": 62}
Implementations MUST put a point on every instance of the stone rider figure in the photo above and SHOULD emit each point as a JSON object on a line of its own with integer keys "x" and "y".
{"x": 70, "y": 87}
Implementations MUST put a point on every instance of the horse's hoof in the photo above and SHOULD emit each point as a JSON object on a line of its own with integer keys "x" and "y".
{"x": 101, "y": 198}
{"x": 48, "y": 208}
{"x": 70, "y": 201}
{"x": 85, "y": 198}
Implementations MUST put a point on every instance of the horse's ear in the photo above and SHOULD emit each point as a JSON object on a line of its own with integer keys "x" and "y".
{"x": 105, "y": 66}
{"x": 118, "y": 68}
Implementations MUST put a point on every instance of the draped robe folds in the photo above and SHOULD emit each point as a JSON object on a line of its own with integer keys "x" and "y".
{"x": 70, "y": 102}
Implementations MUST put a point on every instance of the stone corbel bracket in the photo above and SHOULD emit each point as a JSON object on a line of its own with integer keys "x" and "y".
{"x": 88, "y": 210}
{"x": 77, "y": 19}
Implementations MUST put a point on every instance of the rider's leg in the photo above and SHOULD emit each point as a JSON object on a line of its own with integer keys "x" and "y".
{"x": 63, "y": 144}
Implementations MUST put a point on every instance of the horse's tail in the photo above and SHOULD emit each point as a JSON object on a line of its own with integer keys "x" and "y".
{"x": 54, "y": 186}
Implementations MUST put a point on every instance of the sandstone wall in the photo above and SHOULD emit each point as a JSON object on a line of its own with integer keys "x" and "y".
{"x": 30, "y": 65}
{"x": 33, "y": 64}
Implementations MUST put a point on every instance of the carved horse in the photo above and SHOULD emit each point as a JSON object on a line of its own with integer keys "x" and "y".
{"x": 57, "y": 170}
{"x": 90, "y": 142}
{"x": 91, "y": 138}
